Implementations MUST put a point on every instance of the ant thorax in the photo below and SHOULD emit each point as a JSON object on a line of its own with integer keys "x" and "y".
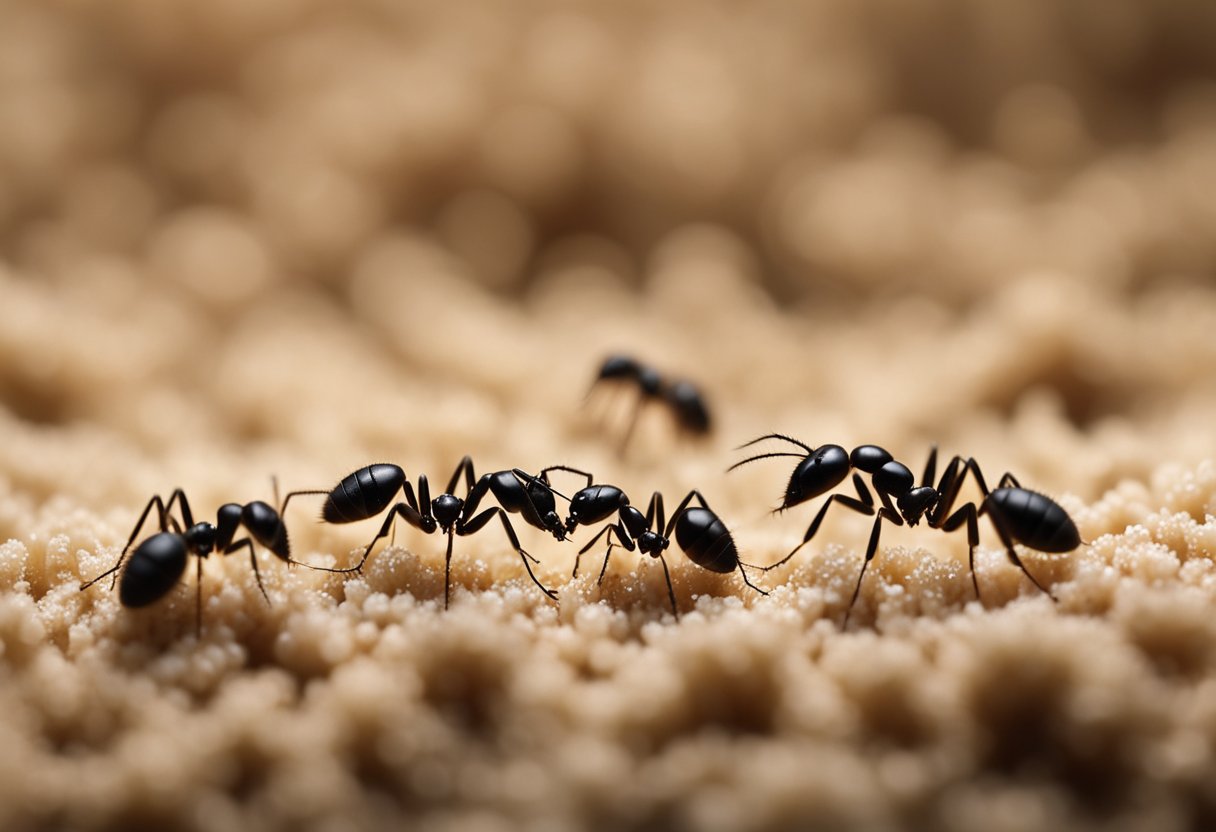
{"x": 447, "y": 509}
{"x": 652, "y": 543}
{"x": 201, "y": 539}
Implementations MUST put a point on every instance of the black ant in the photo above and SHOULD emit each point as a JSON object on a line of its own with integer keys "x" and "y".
{"x": 157, "y": 563}
{"x": 698, "y": 530}
{"x": 683, "y": 399}
{"x": 368, "y": 491}
{"x": 1018, "y": 514}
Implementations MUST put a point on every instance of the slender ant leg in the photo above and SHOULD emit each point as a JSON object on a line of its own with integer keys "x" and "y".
{"x": 621, "y": 535}
{"x": 407, "y": 510}
{"x": 480, "y": 520}
{"x": 864, "y": 505}
{"x": 871, "y": 548}
{"x": 967, "y": 514}
{"x": 245, "y": 542}
{"x": 198, "y": 598}
{"x": 671, "y": 593}
{"x": 290, "y": 494}
{"x": 160, "y": 506}
{"x": 543, "y": 476}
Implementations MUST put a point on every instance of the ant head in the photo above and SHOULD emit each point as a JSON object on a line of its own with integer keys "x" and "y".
{"x": 446, "y": 508}
{"x": 916, "y": 502}
{"x": 200, "y": 538}
{"x": 554, "y": 524}
{"x": 820, "y": 471}
{"x": 593, "y": 504}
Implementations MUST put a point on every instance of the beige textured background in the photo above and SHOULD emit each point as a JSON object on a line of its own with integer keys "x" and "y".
{"x": 297, "y": 236}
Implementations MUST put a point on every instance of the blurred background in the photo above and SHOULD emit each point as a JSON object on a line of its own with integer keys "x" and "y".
{"x": 240, "y": 238}
{"x": 294, "y": 235}
{"x": 203, "y": 167}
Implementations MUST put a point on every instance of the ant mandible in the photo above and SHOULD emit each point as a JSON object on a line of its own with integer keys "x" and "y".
{"x": 700, "y": 533}
{"x": 683, "y": 399}
{"x": 1018, "y": 514}
{"x": 158, "y": 563}
{"x": 368, "y": 491}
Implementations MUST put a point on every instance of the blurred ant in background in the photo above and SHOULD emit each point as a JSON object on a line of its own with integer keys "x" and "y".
{"x": 682, "y": 399}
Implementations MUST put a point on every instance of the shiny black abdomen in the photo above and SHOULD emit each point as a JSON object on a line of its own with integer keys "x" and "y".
{"x": 706, "y": 541}
{"x": 365, "y": 493}
{"x": 1034, "y": 520}
{"x": 153, "y": 569}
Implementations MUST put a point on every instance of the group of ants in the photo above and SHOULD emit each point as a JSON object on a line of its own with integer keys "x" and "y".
{"x": 1020, "y": 516}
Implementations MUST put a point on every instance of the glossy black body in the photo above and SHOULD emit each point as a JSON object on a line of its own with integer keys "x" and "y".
{"x": 155, "y": 567}
{"x": 1018, "y": 514}
{"x": 706, "y": 541}
{"x": 1034, "y": 520}
{"x": 157, "y": 564}
{"x": 367, "y": 492}
{"x": 594, "y": 504}
{"x": 363, "y": 494}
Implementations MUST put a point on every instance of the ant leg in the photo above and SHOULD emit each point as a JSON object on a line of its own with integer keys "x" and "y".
{"x": 967, "y": 514}
{"x": 198, "y": 599}
{"x": 974, "y": 468}
{"x": 1008, "y": 480}
{"x": 607, "y": 528}
{"x": 155, "y": 501}
{"x": 947, "y": 493}
{"x": 865, "y": 506}
{"x": 475, "y": 494}
{"x": 604, "y": 569}
{"x": 749, "y": 583}
{"x": 447, "y": 572}
{"x": 179, "y": 496}
{"x": 633, "y": 423}
{"x": 480, "y": 520}
{"x": 655, "y": 512}
{"x": 290, "y": 494}
{"x": 930, "y": 468}
{"x": 671, "y": 593}
{"x": 411, "y": 516}
{"x": 543, "y": 476}
{"x": 622, "y": 535}
{"x": 688, "y": 498}
{"x": 623, "y": 539}
{"x": 1013, "y": 556}
{"x": 465, "y": 466}
{"x": 253, "y": 561}
{"x": 870, "y": 550}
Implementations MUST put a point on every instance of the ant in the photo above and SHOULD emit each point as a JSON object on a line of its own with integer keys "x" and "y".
{"x": 158, "y": 563}
{"x": 368, "y": 491}
{"x": 683, "y": 399}
{"x": 1018, "y": 514}
{"x": 700, "y": 533}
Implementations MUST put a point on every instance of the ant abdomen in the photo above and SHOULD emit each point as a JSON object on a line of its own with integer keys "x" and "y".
{"x": 363, "y": 494}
